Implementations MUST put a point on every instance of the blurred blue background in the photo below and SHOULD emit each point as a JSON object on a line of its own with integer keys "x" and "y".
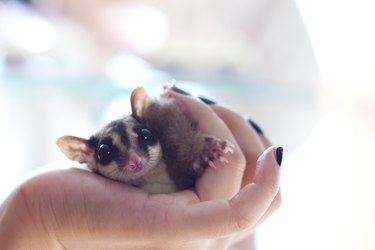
{"x": 303, "y": 70}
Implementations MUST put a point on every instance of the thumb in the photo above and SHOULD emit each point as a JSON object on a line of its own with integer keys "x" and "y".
{"x": 255, "y": 199}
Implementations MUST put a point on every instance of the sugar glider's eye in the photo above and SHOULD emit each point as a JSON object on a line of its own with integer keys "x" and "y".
{"x": 104, "y": 152}
{"x": 146, "y": 136}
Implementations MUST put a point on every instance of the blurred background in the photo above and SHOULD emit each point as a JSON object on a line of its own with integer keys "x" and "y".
{"x": 303, "y": 70}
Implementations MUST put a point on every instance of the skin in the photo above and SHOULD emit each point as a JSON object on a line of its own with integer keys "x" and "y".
{"x": 76, "y": 209}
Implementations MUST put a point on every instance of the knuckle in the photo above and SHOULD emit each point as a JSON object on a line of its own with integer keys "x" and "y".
{"x": 243, "y": 223}
{"x": 273, "y": 189}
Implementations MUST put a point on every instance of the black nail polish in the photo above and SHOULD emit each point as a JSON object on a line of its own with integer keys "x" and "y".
{"x": 255, "y": 126}
{"x": 180, "y": 91}
{"x": 279, "y": 155}
{"x": 207, "y": 100}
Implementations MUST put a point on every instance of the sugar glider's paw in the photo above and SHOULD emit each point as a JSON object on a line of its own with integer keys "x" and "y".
{"x": 214, "y": 149}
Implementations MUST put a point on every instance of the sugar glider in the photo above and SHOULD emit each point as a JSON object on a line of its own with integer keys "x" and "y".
{"x": 156, "y": 148}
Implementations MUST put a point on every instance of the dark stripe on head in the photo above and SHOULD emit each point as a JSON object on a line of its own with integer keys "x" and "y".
{"x": 119, "y": 127}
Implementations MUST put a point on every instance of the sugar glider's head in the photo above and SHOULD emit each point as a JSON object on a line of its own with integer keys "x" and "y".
{"x": 123, "y": 150}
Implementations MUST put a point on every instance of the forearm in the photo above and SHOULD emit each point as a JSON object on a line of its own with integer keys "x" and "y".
{"x": 19, "y": 228}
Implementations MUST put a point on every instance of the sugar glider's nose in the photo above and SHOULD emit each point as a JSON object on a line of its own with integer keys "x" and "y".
{"x": 135, "y": 163}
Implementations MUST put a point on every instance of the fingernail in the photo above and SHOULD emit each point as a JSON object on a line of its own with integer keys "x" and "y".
{"x": 255, "y": 126}
{"x": 279, "y": 155}
{"x": 207, "y": 100}
{"x": 180, "y": 91}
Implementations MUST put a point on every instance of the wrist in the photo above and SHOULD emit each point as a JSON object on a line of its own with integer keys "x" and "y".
{"x": 19, "y": 227}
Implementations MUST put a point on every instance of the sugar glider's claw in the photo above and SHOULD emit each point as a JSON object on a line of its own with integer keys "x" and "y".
{"x": 229, "y": 148}
{"x": 211, "y": 164}
{"x": 214, "y": 150}
{"x": 223, "y": 159}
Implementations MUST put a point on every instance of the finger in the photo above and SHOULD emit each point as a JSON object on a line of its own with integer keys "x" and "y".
{"x": 246, "y": 242}
{"x": 276, "y": 203}
{"x": 253, "y": 124}
{"x": 247, "y": 137}
{"x": 211, "y": 184}
{"x": 222, "y": 218}
{"x": 266, "y": 142}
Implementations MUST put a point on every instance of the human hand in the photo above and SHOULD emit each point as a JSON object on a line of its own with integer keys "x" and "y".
{"x": 252, "y": 143}
{"x": 77, "y": 209}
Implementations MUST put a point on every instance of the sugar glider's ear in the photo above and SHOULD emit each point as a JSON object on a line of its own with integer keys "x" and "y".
{"x": 140, "y": 102}
{"x": 75, "y": 148}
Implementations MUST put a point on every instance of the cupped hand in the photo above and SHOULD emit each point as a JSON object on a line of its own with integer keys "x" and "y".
{"x": 76, "y": 209}
{"x": 252, "y": 143}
